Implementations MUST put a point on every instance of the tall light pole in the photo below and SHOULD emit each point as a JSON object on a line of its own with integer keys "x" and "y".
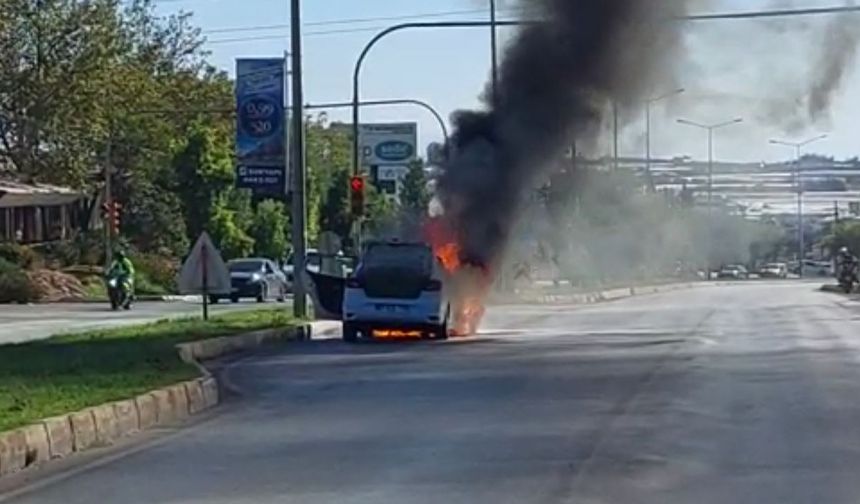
{"x": 648, "y": 103}
{"x": 710, "y": 128}
{"x": 297, "y": 160}
{"x": 494, "y": 53}
{"x": 797, "y": 146}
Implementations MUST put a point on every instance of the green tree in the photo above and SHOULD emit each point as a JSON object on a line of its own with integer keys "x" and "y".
{"x": 382, "y": 215}
{"x": 269, "y": 230}
{"x": 414, "y": 196}
{"x": 334, "y": 211}
{"x": 845, "y": 234}
{"x": 232, "y": 240}
{"x": 328, "y": 158}
{"x": 205, "y": 174}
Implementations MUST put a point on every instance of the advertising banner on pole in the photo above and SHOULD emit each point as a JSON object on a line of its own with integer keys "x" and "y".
{"x": 260, "y": 129}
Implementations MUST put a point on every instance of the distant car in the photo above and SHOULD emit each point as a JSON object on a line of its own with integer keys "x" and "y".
{"x": 313, "y": 263}
{"x": 818, "y": 268}
{"x": 256, "y": 278}
{"x": 774, "y": 270}
{"x": 734, "y": 271}
{"x": 397, "y": 287}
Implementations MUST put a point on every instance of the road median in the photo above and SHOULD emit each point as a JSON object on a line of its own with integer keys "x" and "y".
{"x": 76, "y": 392}
{"x": 592, "y": 296}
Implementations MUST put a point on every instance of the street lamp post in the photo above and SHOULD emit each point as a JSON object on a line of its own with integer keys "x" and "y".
{"x": 797, "y": 146}
{"x": 710, "y": 128}
{"x": 494, "y": 52}
{"x": 648, "y": 103}
{"x": 356, "y": 73}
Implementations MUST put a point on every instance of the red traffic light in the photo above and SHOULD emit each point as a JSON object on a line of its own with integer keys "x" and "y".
{"x": 356, "y": 196}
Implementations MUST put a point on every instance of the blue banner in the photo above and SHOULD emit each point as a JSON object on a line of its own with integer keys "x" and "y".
{"x": 260, "y": 133}
{"x": 263, "y": 180}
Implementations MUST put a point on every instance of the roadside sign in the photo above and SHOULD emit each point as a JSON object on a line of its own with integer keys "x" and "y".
{"x": 260, "y": 125}
{"x": 388, "y": 143}
{"x": 263, "y": 180}
{"x": 204, "y": 272}
{"x": 392, "y": 172}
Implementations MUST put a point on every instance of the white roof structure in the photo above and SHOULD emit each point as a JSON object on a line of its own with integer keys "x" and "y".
{"x": 15, "y": 194}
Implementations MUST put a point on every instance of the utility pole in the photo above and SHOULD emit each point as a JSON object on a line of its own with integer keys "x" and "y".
{"x": 798, "y": 176}
{"x": 615, "y": 135}
{"x": 710, "y": 128}
{"x": 108, "y": 195}
{"x": 648, "y": 175}
{"x": 494, "y": 53}
{"x": 297, "y": 160}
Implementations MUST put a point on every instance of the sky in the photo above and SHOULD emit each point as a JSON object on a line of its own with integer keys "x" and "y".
{"x": 756, "y": 70}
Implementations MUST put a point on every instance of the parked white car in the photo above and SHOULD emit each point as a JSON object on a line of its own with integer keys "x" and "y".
{"x": 397, "y": 287}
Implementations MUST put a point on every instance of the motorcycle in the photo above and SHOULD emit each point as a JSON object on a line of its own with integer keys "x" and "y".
{"x": 119, "y": 292}
{"x": 848, "y": 277}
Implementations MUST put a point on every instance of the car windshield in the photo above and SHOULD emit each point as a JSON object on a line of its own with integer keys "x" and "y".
{"x": 245, "y": 266}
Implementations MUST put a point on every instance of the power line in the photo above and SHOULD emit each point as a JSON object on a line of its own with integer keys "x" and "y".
{"x": 694, "y": 17}
{"x": 774, "y": 13}
{"x": 348, "y": 21}
{"x": 306, "y": 34}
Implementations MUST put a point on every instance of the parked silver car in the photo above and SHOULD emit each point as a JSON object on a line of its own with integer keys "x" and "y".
{"x": 256, "y": 278}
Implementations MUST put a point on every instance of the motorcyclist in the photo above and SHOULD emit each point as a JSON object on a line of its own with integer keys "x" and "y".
{"x": 123, "y": 269}
{"x": 845, "y": 259}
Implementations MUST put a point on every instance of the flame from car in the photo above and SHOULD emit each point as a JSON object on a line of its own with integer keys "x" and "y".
{"x": 468, "y": 283}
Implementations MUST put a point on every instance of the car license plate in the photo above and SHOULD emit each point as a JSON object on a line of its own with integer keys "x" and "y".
{"x": 392, "y": 308}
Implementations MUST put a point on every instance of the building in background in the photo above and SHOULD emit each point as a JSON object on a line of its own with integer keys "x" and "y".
{"x": 38, "y": 213}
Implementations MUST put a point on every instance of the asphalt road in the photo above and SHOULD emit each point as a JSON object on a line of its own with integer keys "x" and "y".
{"x": 746, "y": 393}
{"x": 19, "y": 323}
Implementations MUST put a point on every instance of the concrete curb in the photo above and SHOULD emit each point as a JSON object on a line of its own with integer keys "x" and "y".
{"x": 61, "y": 436}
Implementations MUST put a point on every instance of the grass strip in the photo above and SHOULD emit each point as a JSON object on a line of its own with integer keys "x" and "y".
{"x": 66, "y": 373}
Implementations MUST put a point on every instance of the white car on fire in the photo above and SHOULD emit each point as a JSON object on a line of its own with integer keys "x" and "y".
{"x": 397, "y": 290}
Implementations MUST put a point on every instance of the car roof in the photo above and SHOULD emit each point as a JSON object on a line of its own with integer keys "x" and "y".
{"x": 248, "y": 259}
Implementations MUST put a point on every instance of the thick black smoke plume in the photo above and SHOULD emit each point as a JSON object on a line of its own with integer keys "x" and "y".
{"x": 556, "y": 80}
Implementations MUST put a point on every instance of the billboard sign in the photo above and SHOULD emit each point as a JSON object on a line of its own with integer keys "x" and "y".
{"x": 388, "y": 143}
{"x": 260, "y": 125}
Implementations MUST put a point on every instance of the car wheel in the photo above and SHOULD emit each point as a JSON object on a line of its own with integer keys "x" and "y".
{"x": 263, "y": 294}
{"x": 441, "y": 332}
{"x": 234, "y": 299}
{"x": 282, "y": 295}
{"x": 214, "y": 299}
{"x": 350, "y": 332}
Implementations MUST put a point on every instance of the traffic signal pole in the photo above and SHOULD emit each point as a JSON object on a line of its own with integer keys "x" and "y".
{"x": 297, "y": 162}
{"x": 108, "y": 195}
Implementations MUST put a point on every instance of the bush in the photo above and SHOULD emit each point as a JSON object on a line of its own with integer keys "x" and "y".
{"x": 144, "y": 285}
{"x": 20, "y": 255}
{"x": 15, "y": 285}
{"x": 155, "y": 274}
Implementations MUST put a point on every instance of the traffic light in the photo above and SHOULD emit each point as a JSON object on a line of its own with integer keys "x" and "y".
{"x": 356, "y": 195}
{"x": 115, "y": 220}
{"x": 111, "y": 215}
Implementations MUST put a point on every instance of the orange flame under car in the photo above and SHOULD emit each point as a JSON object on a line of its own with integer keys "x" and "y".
{"x": 469, "y": 284}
